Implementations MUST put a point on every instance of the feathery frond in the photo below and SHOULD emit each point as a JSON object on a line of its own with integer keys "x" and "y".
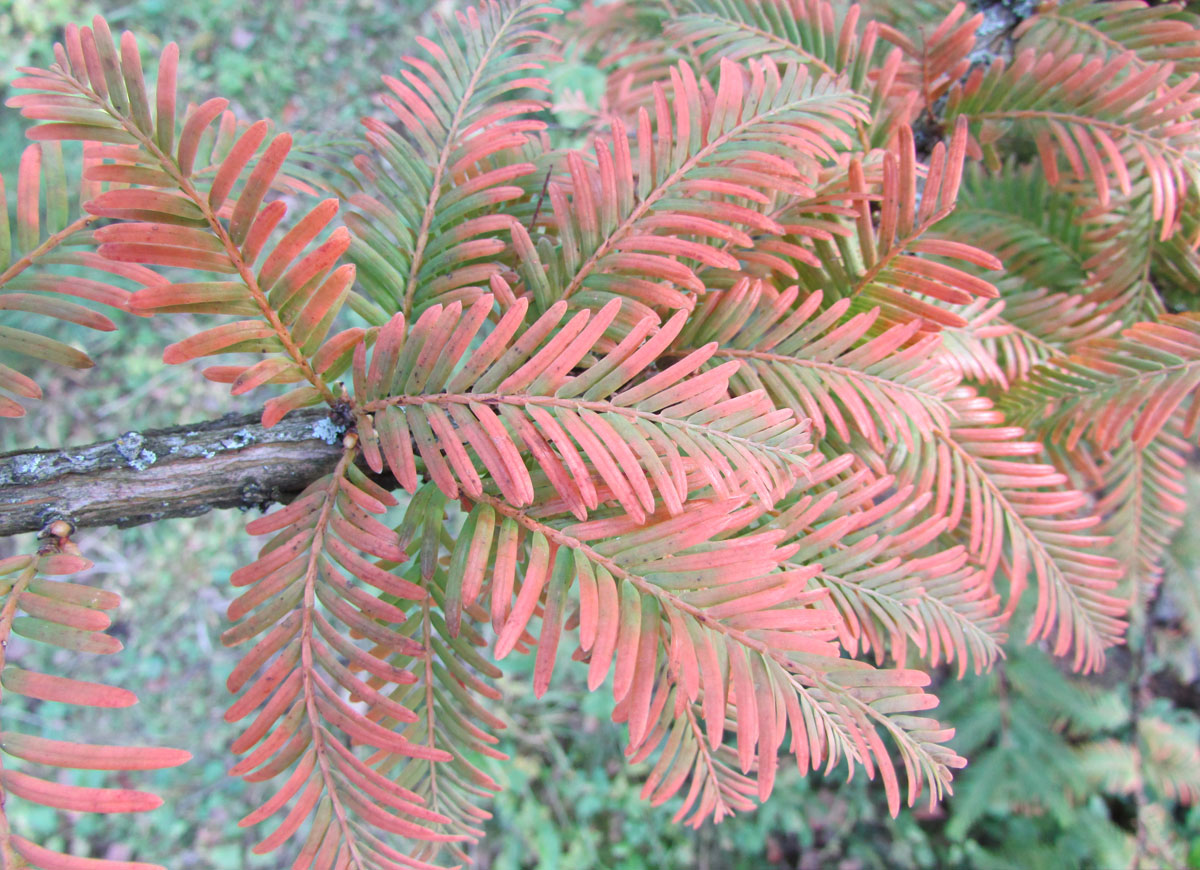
{"x": 1109, "y": 120}
{"x": 631, "y": 226}
{"x": 72, "y": 617}
{"x": 1158, "y": 33}
{"x": 614, "y": 428}
{"x": 934, "y": 59}
{"x": 172, "y": 215}
{"x": 1039, "y": 233}
{"x": 888, "y": 578}
{"x": 1142, "y": 377}
{"x": 815, "y": 33}
{"x": 1143, "y": 505}
{"x": 696, "y": 596}
{"x": 452, "y": 696}
{"x": 1167, "y": 760}
{"x": 823, "y": 366}
{"x": 434, "y": 221}
{"x": 1120, "y": 270}
{"x": 38, "y": 268}
{"x": 1051, "y": 251}
{"x": 1017, "y": 517}
{"x": 294, "y": 679}
{"x": 890, "y": 263}
{"x": 640, "y": 439}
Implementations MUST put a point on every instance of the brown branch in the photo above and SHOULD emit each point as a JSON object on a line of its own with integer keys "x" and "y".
{"x": 180, "y": 471}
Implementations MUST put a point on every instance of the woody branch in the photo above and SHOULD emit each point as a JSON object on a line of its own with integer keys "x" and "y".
{"x": 141, "y": 477}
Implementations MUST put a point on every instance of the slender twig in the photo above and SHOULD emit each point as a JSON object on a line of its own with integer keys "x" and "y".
{"x": 52, "y": 242}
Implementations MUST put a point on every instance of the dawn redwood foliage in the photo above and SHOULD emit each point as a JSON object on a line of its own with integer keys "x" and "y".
{"x": 767, "y": 393}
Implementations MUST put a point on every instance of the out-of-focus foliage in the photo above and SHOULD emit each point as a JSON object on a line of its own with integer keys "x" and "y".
{"x": 29, "y": 27}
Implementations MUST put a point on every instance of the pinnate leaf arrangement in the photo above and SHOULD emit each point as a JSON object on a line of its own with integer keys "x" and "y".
{"x": 817, "y": 352}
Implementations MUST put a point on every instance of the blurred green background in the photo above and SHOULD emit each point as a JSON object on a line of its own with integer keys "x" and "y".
{"x": 1051, "y": 761}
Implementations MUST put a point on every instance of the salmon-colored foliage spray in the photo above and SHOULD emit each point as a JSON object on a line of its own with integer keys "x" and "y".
{"x": 777, "y": 386}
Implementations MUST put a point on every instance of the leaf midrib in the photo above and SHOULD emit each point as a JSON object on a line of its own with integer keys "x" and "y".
{"x": 435, "y": 187}
{"x": 599, "y": 407}
{"x": 641, "y": 209}
{"x": 1032, "y": 540}
{"x": 786, "y": 45}
{"x": 845, "y": 371}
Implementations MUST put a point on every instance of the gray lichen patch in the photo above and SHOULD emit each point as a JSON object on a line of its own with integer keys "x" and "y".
{"x": 130, "y": 446}
{"x": 138, "y": 451}
{"x": 241, "y": 438}
{"x": 21, "y": 469}
{"x": 328, "y": 431}
{"x": 144, "y": 476}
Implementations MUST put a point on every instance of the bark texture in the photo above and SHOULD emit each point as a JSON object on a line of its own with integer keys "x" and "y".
{"x": 182, "y": 471}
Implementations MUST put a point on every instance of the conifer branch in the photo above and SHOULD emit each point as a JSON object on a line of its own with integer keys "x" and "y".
{"x": 143, "y": 477}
